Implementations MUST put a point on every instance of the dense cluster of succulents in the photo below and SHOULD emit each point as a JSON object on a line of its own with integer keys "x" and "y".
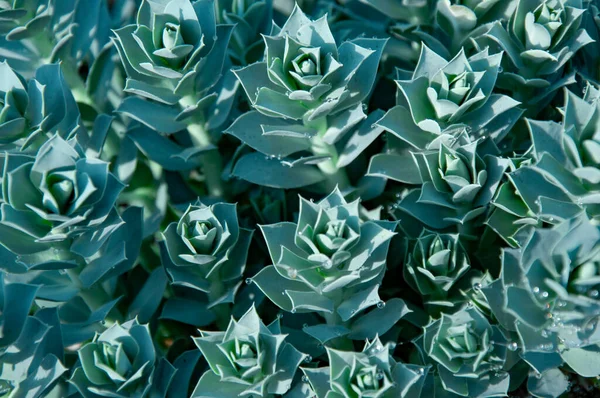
{"x": 299, "y": 199}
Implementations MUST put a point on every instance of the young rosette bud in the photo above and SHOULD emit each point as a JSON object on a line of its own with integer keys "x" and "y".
{"x": 449, "y": 95}
{"x": 370, "y": 373}
{"x": 121, "y": 362}
{"x": 173, "y": 56}
{"x": 58, "y": 212}
{"x": 539, "y": 39}
{"x": 248, "y": 359}
{"x": 206, "y": 251}
{"x": 329, "y": 262}
{"x": 252, "y": 19}
{"x": 435, "y": 265}
{"x": 548, "y": 294}
{"x": 457, "y": 183}
{"x": 31, "y": 111}
{"x": 469, "y": 354}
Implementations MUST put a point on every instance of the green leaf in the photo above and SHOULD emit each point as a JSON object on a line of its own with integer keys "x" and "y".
{"x": 257, "y": 169}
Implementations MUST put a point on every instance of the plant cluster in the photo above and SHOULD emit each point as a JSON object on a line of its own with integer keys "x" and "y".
{"x": 321, "y": 199}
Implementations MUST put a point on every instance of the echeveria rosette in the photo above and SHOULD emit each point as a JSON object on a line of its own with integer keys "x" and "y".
{"x": 434, "y": 265}
{"x": 34, "y": 110}
{"x": 370, "y": 373}
{"x": 306, "y": 75}
{"x": 206, "y": 251}
{"x": 308, "y": 96}
{"x": 329, "y": 262}
{"x": 463, "y": 19}
{"x": 173, "y": 57}
{"x": 121, "y": 362}
{"x": 539, "y": 39}
{"x": 248, "y": 359}
{"x": 252, "y": 19}
{"x": 547, "y": 294}
{"x": 56, "y": 203}
{"x": 457, "y": 185}
{"x": 469, "y": 354}
{"x": 447, "y": 96}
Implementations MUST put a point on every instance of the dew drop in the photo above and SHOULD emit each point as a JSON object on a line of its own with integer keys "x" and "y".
{"x": 308, "y": 359}
{"x": 249, "y": 281}
{"x": 513, "y": 346}
{"x": 304, "y": 379}
{"x": 381, "y": 304}
{"x": 477, "y": 286}
{"x": 593, "y": 293}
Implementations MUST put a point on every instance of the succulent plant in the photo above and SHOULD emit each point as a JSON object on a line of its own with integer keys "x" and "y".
{"x": 435, "y": 265}
{"x": 121, "y": 361}
{"x": 170, "y": 55}
{"x": 329, "y": 262}
{"x": 444, "y": 96}
{"x": 547, "y": 294}
{"x": 206, "y": 251}
{"x": 58, "y": 208}
{"x": 539, "y": 39}
{"x": 464, "y": 19}
{"x": 453, "y": 226}
{"x": 34, "y": 110}
{"x": 62, "y": 231}
{"x": 34, "y": 32}
{"x": 306, "y": 75}
{"x": 308, "y": 96}
{"x": 455, "y": 181}
{"x": 469, "y": 354}
{"x": 249, "y": 358}
{"x": 27, "y": 367}
{"x": 370, "y": 373}
{"x": 559, "y": 178}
